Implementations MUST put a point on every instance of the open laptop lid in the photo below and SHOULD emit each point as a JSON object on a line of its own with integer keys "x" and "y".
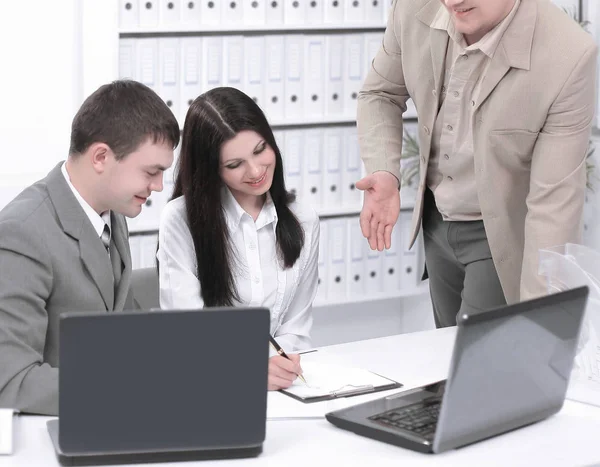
{"x": 510, "y": 367}
{"x": 163, "y": 380}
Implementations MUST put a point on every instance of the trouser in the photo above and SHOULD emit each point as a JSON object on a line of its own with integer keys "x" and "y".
{"x": 462, "y": 275}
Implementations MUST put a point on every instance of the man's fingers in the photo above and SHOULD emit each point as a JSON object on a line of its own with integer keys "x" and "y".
{"x": 365, "y": 222}
{"x": 365, "y": 183}
{"x": 380, "y": 237}
{"x": 373, "y": 234}
{"x": 388, "y": 236}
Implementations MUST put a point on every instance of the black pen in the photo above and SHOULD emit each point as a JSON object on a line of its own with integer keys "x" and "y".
{"x": 280, "y": 351}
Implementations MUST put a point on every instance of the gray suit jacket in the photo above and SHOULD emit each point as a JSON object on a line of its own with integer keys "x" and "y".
{"x": 52, "y": 261}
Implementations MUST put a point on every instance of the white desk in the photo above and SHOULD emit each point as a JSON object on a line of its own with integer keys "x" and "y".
{"x": 569, "y": 438}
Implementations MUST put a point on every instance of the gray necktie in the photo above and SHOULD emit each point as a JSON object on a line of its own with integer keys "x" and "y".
{"x": 105, "y": 237}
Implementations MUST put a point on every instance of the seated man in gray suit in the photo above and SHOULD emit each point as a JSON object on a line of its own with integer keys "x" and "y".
{"x": 64, "y": 240}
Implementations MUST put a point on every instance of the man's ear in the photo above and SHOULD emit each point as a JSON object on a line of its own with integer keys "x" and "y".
{"x": 100, "y": 155}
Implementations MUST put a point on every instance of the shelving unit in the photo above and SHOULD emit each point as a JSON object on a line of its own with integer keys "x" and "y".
{"x": 309, "y": 74}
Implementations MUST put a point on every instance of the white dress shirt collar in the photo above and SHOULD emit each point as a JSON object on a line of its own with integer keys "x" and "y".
{"x": 96, "y": 220}
{"x": 234, "y": 213}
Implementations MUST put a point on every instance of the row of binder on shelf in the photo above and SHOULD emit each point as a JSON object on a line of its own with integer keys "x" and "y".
{"x": 145, "y": 15}
{"x": 348, "y": 267}
{"x": 291, "y": 77}
{"x": 322, "y": 165}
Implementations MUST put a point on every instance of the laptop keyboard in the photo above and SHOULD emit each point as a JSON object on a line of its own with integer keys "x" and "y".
{"x": 420, "y": 418}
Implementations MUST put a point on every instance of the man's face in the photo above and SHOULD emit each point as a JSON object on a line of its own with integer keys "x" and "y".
{"x": 130, "y": 181}
{"x": 475, "y": 18}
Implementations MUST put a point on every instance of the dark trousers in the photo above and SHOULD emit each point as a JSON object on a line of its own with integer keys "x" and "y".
{"x": 462, "y": 275}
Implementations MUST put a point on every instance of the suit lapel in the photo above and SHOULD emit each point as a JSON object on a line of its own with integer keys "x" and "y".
{"x": 496, "y": 71}
{"x": 514, "y": 49}
{"x": 439, "y": 45}
{"x": 123, "y": 266}
{"x": 76, "y": 224}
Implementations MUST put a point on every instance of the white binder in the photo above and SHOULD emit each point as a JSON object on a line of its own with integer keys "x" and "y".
{"x": 212, "y": 62}
{"x": 191, "y": 77}
{"x": 351, "y": 196}
{"x": 191, "y": 11}
{"x": 336, "y": 281}
{"x": 169, "y": 12}
{"x": 374, "y": 13}
{"x": 409, "y": 271}
{"x": 354, "y": 11}
{"x": 373, "y": 41}
{"x": 294, "y": 11}
{"x": 147, "y": 62}
{"x": 313, "y": 161}
{"x": 355, "y": 68}
{"x": 333, "y": 146}
{"x": 168, "y": 89}
{"x": 314, "y": 76}
{"x": 274, "y": 82}
{"x": 356, "y": 258}
{"x": 128, "y": 14}
{"x": 279, "y": 136}
{"x": 148, "y": 14}
{"x": 254, "y": 11}
{"x": 148, "y": 245}
{"x": 232, "y": 12}
{"x": 334, "y": 77}
{"x": 333, "y": 11}
{"x": 294, "y": 45}
{"x": 373, "y": 276}
{"x": 315, "y": 11}
{"x": 210, "y": 12}
{"x": 323, "y": 261}
{"x": 127, "y": 58}
{"x": 274, "y": 12}
{"x": 292, "y": 161}
{"x": 233, "y": 61}
{"x": 254, "y": 50}
{"x": 391, "y": 262}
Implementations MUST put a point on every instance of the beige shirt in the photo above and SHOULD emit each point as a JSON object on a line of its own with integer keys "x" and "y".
{"x": 451, "y": 173}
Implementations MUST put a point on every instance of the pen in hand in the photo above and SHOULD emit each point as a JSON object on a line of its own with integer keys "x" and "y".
{"x": 280, "y": 351}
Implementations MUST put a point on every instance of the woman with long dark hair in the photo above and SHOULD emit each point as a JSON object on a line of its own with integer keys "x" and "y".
{"x": 232, "y": 235}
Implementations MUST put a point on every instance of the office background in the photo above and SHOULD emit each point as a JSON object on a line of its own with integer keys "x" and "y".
{"x": 303, "y": 61}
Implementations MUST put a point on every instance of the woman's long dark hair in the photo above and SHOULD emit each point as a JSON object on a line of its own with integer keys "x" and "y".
{"x": 214, "y": 118}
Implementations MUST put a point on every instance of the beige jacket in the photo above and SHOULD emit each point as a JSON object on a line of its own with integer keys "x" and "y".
{"x": 531, "y": 126}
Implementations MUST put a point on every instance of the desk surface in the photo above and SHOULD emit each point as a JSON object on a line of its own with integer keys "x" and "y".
{"x": 569, "y": 438}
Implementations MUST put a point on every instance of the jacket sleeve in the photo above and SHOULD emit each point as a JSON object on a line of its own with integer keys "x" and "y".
{"x": 26, "y": 382}
{"x": 558, "y": 173}
{"x": 381, "y": 103}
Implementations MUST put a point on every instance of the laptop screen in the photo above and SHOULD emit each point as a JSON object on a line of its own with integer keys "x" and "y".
{"x": 510, "y": 367}
{"x": 163, "y": 380}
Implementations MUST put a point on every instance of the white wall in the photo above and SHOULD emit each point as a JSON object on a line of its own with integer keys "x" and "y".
{"x": 52, "y": 57}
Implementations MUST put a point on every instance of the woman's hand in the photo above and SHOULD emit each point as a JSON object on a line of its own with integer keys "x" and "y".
{"x": 283, "y": 372}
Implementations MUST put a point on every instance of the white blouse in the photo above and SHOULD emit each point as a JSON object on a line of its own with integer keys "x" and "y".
{"x": 258, "y": 274}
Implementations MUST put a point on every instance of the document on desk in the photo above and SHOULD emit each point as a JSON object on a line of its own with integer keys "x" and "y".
{"x": 326, "y": 381}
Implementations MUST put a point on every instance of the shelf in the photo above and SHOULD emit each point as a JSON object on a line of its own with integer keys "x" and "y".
{"x": 219, "y": 29}
{"x": 420, "y": 289}
{"x": 310, "y": 122}
{"x": 313, "y": 121}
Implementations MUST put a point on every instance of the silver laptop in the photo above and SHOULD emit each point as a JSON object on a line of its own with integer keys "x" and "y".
{"x": 510, "y": 367}
{"x": 159, "y": 386}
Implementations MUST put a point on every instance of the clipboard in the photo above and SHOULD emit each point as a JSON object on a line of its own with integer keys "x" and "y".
{"x": 328, "y": 381}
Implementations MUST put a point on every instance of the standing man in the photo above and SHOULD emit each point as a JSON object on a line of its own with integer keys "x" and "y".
{"x": 64, "y": 240}
{"x": 505, "y": 93}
